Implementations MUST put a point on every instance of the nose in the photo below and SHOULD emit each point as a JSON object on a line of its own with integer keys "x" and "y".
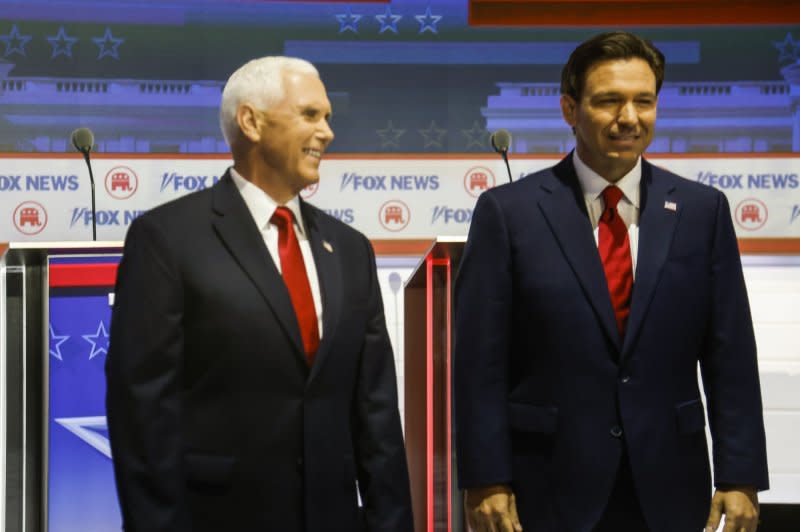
{"x": 324, "y": 132}
{"x": 628, "y": 114}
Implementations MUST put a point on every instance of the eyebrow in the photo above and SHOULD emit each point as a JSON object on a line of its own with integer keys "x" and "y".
{"x": 618, "y": 93}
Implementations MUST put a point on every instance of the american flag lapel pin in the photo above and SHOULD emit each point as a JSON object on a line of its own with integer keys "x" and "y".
{"x": 327, "y": 246}
{"x": 671, "y": 206}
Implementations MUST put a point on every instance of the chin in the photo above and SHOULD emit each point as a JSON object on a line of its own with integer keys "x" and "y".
{"x": 307, "y": 180}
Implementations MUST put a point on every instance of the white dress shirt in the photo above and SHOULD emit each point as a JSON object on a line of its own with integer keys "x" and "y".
{"x": 262, "y": 207}
{"x": 593, "y": 185}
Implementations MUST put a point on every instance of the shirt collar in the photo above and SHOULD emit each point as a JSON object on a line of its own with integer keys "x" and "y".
{"x": 593, "y": 183}
{"x": 261, "y": 205}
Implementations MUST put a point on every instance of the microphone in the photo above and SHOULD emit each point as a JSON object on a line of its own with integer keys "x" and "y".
{"x": 83, "y": 140}
{"x": 501, "y": 140}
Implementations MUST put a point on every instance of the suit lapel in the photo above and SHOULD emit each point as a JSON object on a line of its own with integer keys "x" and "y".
{"x": 328, "y": 265}
{"x": 656, "y": 227}
{"x": 565, "y": 211}
{"x": 242, "y": 238}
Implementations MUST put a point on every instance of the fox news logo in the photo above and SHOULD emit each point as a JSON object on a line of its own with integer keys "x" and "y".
{"x": 751, "y": 214}
{"x": 83, "y": 216}
{"x": 30, "y": 218}
{"x": 795, "y": 213}
{"x": 343, "y": 215}
{"x": 382, "y": 182}
{"x": 121, "y": 182}
{"x": 478, "y": 179}
{"x": 38, "y": 183}
{"x": 765, "y": 181}
{"x": 446, "y": 215}
{"x": 394, "y": 215}
{"x": 177, "y": 182}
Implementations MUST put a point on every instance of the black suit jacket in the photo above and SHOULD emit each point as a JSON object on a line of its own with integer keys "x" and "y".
{"x": 548, "y": 396}
{"x": 216, "y": 422}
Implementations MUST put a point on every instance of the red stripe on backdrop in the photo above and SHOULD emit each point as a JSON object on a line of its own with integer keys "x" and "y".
{"x": 769, "y": 246}
{"x": 71, "y": 275}
{"x": 539, "y": 13}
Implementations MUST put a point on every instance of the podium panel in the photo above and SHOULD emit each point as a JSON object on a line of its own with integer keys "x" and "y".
{"x": 428, "y": 405}
{"x": 55, "y": 313}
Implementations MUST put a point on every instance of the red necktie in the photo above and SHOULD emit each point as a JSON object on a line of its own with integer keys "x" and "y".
{"x": 293, "y": 269}
{"x": 615, "y": 252}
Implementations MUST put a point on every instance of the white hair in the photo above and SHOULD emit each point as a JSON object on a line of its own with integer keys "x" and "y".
{"x": 258, "y": 82}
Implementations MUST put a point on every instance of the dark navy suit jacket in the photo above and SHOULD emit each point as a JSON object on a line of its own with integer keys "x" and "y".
{"x": 546, "y": 393}
{"x": 216, "y": 422}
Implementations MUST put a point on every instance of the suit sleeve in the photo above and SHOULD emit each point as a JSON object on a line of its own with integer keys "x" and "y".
{"x": 483, "y": 302}
{"x": 730, "y": 369}
{"x": 143, "y": 384}
{"x": 380, "y": 451}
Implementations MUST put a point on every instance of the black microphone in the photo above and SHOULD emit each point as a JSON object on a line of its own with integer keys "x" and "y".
{"x": 501, "y": 140}
{"x": 83, "y": 140}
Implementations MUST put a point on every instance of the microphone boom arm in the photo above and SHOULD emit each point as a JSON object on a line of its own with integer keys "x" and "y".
{"x": 91, "y": 180}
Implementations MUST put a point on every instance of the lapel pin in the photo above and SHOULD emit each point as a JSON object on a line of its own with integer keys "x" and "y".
{"x": 327, "y": 246}
{"x": 671, "y": 206}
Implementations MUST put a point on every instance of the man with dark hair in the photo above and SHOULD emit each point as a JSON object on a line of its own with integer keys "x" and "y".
{"x": 587, "y": 296}
{"x": 251, "y": 382}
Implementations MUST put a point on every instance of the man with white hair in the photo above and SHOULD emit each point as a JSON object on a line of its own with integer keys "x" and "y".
{"x": 251, "y": 382}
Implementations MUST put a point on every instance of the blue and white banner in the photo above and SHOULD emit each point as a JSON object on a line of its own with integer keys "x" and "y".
{"x": 48, "y": 199}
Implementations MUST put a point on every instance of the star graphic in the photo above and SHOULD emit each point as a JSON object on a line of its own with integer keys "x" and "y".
{"x": 61, "y": 43}
{"x": 15, "y": 42}
{"x": 476, "y": 136}
{"x": 108, "y": 45}
{"x": 428, "y": 21}
{"x": 391, "y": 25}
{"x": 788, "y": 48}
{"x": 86, "y": 428}
{"x": 348, "y": 22}
{"x": 99, "y": 341}
{"x": 55, "y": 343}
{"x": 390, "y": 136}
{"x": 433, "y": 135}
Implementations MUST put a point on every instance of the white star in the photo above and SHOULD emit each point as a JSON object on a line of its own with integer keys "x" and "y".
{"x": 108, "y": 44}
{"x": 390, "y": 136}
{"x": 428, "y": 21}
{"x": 100, "y": 338}
{"x": 391, "y": 25}
{"x": 433, "y": 135}
{"x": 476, "y": 136}
{"x": 61, "y": 43}
{"x": 15, "y": 42}
{"x": 348, "y": 22}
{"x": 55, "y": 343}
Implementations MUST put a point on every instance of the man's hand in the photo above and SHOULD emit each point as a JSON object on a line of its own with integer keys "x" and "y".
{"x": 740, "y": 506}
{"x": 492, "y": 509}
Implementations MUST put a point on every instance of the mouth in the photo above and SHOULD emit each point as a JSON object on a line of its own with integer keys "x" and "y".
{"x": 312, "y": 152}
{"x": 628, "y": 137}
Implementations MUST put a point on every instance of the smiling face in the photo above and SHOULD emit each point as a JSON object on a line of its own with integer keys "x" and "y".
{"x": 615, "y": 117}
{"x": 292, "y": 135}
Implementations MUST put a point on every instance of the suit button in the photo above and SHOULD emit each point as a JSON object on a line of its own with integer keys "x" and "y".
{"x": 625, "y": 379}
{"x": 616, "y": 431}
{"x": 300, "y": 464}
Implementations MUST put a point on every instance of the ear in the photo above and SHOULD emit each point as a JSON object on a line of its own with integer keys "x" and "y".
{"x": 569, "y": 109}
{"x": 247, "y": 118}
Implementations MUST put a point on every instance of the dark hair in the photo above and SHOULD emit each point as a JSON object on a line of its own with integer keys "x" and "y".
{"x": 605, "y": 47}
